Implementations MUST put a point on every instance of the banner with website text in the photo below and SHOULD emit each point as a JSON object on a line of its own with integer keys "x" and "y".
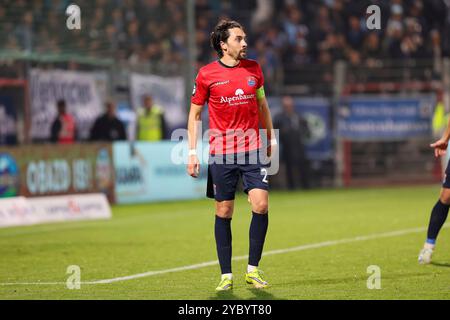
{"x": 385, "y": 118}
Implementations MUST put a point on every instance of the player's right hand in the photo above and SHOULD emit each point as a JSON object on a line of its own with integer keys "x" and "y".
{"x": 193, "y": 166}
{"x": 440, "y": 147}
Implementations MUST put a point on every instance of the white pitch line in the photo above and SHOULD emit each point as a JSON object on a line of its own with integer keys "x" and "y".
{"x": 215, "y": 262}
{"x": 31, "y": 283}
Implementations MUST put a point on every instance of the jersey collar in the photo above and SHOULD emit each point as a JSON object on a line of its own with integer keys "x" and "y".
{"x": 229, "y": 67}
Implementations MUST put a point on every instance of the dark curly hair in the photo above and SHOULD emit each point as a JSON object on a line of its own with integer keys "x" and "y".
{"x": 221, "y": 33}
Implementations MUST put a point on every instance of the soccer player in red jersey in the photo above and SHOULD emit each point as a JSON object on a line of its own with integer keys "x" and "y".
{"x": 233, "y": 87}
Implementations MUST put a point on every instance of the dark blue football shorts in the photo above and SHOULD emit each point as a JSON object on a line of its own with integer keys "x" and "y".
{"x": 224, "y": 172}
{"x": 446, "y": 183}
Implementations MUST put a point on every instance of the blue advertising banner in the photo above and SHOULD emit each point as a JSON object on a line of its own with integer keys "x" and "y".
{"x": 152, "y": 171}
{"x": 316, "y": 112}
{"x": 385, "y": 118}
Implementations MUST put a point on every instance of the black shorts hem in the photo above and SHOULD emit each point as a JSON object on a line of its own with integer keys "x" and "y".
{"x": 224, "y": 199}
{"x": 258, "y": 187}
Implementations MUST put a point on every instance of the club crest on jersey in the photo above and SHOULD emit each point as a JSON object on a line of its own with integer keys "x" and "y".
{"x": 251, "y": 81}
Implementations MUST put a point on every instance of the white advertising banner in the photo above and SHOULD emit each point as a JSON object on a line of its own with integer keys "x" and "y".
{"x": 15, "y": 212}
{"x": 167, "y": 92}
{"x": 21, "y": 211}
{"x": 82, "y": 92}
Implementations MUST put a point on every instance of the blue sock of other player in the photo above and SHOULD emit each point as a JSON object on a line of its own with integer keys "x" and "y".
{"x": 258, "y": 230}
{"x": 222, "y": 231}
{"x": 437, "y": 220}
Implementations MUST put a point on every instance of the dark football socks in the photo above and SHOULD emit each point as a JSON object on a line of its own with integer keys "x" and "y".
{"x": 258, "y": 230}
{"x": 222, "y": 231}
{"x": 437, "y": 220}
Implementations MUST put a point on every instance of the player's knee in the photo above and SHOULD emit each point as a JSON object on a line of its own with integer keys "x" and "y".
{"x": 445, "y": 198}
{"x": 260, "y": 206}
{"x": 224, "y": 212}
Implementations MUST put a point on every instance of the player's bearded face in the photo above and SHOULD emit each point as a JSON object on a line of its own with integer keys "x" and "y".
{"x": 236, "y": 44}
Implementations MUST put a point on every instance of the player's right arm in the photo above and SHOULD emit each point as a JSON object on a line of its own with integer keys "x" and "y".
{"x": 440, "y": 146}
{"x": 199, "y": 98}
{"x": 193, "y": 167}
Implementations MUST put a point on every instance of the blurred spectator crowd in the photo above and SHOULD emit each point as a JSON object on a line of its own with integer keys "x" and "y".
{"x": 280, "y": 33}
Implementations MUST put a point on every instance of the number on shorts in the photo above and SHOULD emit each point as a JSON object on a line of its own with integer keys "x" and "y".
{"x": 265, "y": 173}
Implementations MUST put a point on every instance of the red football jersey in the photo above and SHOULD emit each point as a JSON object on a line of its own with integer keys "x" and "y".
{"x": 233, "y": 109}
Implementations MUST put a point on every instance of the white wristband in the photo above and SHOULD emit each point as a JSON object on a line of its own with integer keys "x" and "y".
{"x": 192, "y": 152}
{"x": 273, "y": 142}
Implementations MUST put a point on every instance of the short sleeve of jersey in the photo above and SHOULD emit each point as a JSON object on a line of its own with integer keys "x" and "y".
{"x": 200, "y": 93}
{"x": 260, "y": 77}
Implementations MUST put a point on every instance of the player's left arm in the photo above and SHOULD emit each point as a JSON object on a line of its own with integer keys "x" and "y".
{"x": 440, "y": 146}
{"x": 265, "y": 117}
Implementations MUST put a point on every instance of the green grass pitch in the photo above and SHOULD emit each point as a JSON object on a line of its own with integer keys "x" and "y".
{"x": 162, "y": 236}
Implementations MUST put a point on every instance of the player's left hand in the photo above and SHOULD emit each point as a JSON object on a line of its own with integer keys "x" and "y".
{"x": 271, "y": 148}
{"x": 193, "y": 167}
{"x": 269, "y": 152}
{"x": 440, "y": 147}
